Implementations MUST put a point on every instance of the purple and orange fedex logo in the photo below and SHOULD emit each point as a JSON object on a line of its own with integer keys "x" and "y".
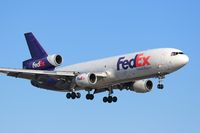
{"x": 38, "y": 64}
{"x": 81, "y": 78}
{"x": 139, "y": 60}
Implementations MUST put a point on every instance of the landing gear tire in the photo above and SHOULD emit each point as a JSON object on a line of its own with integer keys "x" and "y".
{"x": 78, "y": 95}
{"x": 160, "y": 86}
{"x": 68, "y": 95}
{"x": 105, "y": 99}
{"x": 110, "y": 99}
{"x": 73, "y": 95}
{"x": 89, "y": 96}
{"x": 114, "y": 99}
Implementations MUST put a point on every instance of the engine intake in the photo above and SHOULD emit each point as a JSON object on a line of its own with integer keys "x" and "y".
{"x": 86, "y": 80}
{"x": 142, "y": 86}
{"x": 55, "y": 60}
{"x": 45, "y": 63}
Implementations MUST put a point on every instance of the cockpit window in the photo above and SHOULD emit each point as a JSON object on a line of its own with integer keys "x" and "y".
{"x": 176, "y": 53}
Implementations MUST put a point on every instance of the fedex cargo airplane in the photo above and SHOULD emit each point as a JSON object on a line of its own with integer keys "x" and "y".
{"x": 130, "y": 71}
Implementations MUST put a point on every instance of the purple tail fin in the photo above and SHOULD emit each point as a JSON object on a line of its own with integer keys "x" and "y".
{"x": 34, "y": 46}
{"x": 39, "y": 56}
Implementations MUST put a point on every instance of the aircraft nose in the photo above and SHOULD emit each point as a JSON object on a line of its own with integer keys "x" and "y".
{"x": 184, "y": 60}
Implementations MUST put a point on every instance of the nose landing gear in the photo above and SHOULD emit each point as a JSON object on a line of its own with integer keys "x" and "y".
{"x": 160, "y": 84}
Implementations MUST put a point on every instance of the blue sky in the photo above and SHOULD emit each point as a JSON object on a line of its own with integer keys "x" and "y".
{"x": 86, "y": 30}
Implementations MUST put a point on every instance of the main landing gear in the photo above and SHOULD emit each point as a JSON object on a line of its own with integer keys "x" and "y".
{"x": 110, "y": 98}
{"x": 89, "y": 96}
{"x": 73, "y": 95}
{"x": 160, "y": 80}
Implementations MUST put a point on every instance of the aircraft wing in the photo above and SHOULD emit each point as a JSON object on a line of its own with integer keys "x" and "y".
{"x": 36, "y": 74}
{"x": 32, "y": 74}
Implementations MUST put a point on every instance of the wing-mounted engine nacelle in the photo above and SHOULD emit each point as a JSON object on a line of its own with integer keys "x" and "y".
{"x": 46, "y": 63}
{"x": 142, "y": 86}
{"x": 86, "y": 80}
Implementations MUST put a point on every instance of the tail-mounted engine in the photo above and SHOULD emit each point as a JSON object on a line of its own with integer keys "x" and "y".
{"x": 45, "y": 63}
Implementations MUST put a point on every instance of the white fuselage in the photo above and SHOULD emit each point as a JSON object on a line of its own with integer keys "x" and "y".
{"x": 133, "y": 66}
{"x": 129, "y": 71}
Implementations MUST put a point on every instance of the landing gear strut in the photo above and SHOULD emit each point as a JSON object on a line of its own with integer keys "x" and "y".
{"x": 110, "y": 98}
{"x": 160, "y": 80}
{"x": 73, "y": 95}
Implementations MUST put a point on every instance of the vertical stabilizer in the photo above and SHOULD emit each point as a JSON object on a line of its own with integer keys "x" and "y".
{"x": 34, "y": 46}
{"x": 40, "y": 59}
